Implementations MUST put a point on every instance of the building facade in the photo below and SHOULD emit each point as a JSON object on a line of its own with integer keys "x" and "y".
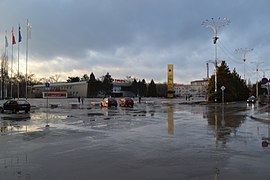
{"x": 121, "y": 88}
{"x": 196, "y": 88}
{"x": 74, "y": 89}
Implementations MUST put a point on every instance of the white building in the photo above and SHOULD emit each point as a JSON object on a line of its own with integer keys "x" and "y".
{"x": 196, "y": 88}
{"x": 73, "y": 89}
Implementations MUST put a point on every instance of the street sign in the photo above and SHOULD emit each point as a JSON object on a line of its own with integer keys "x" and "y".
{"x": 47, "y": 85}
{"x": 264, "y": 86}
{"x": 264, "y": 80}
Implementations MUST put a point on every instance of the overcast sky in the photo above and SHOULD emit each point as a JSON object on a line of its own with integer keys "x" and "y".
{"x": 137, "y": 38}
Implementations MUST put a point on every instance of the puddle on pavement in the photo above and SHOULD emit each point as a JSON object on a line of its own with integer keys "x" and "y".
{"x": 11, "y": 127}
{"x": 162, "y": 135}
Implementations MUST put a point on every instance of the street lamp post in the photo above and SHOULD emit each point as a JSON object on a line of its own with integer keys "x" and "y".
{"x": 244, "y": 51}
{"x": 215, "y": 26}
{"x": 257, "y": 81}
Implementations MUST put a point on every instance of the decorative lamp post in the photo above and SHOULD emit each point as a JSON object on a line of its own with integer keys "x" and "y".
{"x": 215, "y": 26}
{"x": 244, "y": 51}
{"x": 257, "y": 81}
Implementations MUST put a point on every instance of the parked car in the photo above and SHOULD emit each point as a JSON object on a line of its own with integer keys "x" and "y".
{"x": 265, "y": 142}
{"x": 127, "y": 101}
{"x": 251, "y": 99}
{"x": 108, "y": 102}
{"x": 16, "y": 106}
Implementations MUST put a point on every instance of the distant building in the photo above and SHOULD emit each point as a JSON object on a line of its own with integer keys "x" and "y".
{"x": 196, "y": 88}
{"x": 122, "y": 88}
{"x": 203, "y": 82}
{"x": 74, "y": 89}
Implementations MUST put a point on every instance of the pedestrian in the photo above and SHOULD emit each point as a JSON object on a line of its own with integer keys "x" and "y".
{"x": 140, "y": 99}
{"x": 79, "y": 99}
{"x": 82, "y": 99}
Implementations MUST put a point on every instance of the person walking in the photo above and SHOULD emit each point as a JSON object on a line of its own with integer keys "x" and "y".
{"x": 82, "y": 99}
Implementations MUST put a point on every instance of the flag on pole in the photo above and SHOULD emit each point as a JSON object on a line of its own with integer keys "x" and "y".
{"x": 6, "y": 41}
{"x": 13, "y": 37}
{"x": 20, "y": 35}
{"x": 29, "y": 30}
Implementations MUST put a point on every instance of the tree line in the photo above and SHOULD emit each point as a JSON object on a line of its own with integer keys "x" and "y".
{"x": 236, "y": 88}
{"x": 137, "y": 87}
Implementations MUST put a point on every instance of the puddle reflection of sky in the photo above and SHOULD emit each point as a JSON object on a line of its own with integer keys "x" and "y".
{"x": 9, "y": 126}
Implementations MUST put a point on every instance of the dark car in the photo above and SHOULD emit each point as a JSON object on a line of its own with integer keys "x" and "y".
{"x": 251, "y": 99}
{"x": 108, "y": 102}
{"x": 126, "y": 102}
{"x": 16, "y": 106}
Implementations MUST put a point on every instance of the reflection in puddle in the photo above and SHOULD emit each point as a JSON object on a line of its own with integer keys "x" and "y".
{"x": 20, "y": 125}
{"x": 170, "y": 121}
{"x": 43, "y": 115}
{"x": 7, "y": 127}
{"x": 16, "y": 117}
{"x": 225, "y": 120}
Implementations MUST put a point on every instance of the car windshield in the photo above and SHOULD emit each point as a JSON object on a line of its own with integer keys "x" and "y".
{"x": 22, "y": 102}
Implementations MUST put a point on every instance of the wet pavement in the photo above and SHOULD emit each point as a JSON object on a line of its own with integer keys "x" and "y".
{"x": 157, "y": 139}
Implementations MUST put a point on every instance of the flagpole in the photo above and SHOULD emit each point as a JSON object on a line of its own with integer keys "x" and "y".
{"x": 26, "y": 77}
{"x": 19, "y": 61}
{"x": 11, "y": 70}
{"x": 1, "y": 78}
{"x": 5, "y": 66}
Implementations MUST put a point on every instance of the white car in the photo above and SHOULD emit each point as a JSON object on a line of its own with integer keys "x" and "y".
{"x": 251, "y": 99}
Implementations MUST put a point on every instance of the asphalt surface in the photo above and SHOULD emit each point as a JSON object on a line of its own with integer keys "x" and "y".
{"x": 157, "y": 139}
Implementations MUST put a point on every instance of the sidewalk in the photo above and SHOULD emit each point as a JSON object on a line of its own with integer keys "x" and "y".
{"x": 192, "y": 100}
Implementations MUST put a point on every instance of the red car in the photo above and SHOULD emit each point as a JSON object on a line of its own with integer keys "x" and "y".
{"x": 126, "y": 102}
{"x": 108, "y": 102}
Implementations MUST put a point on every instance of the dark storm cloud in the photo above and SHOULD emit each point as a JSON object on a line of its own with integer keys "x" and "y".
{"x": 141, "y": 33}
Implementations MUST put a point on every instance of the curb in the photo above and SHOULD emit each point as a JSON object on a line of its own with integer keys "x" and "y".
{"x": 260, "y": 119}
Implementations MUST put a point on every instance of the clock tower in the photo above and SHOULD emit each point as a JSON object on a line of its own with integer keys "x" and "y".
{"x": 170, "y": 92}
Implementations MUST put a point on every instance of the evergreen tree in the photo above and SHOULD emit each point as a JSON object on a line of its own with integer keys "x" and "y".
{"x": 241, "y": 85}
{"x": 93, "y": 86}
{"x": 152, "y": 89}
{"x": 134, "y": 87}
{"x": 162, "y": 90}
{"x": 142, "y": 88}
{"x": 236, "y": 88}
{"x": 107, "y": 84}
